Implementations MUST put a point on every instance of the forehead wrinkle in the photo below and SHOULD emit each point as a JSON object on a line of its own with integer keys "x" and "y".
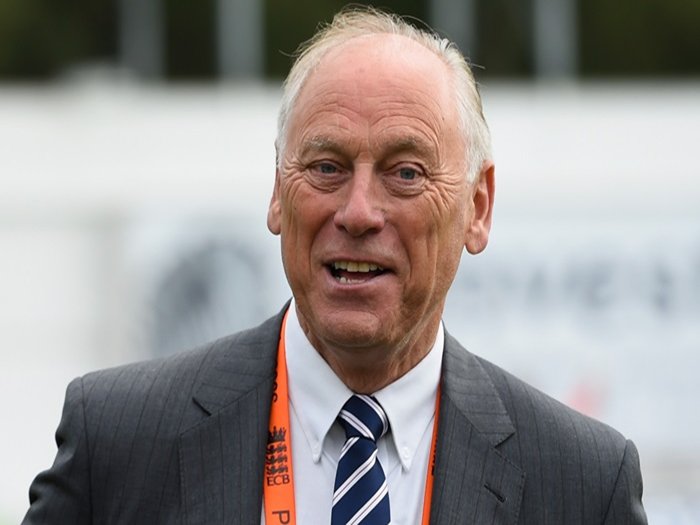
{"x": 423, "y": 111}
{"x": 325, "y": 130}
{"x": 427, "y": 113}
{"x": 409, "y": 133}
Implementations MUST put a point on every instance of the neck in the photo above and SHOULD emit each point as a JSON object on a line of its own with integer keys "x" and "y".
{"x": 368, "y": 380}
{"x": 367, "y": 370}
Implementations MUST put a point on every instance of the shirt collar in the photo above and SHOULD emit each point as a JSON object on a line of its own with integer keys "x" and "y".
{"x": 409, "y": 402}
{"x": 312, "y": 384}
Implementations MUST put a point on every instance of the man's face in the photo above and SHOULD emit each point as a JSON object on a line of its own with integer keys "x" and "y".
{"x": 371, "y": 198}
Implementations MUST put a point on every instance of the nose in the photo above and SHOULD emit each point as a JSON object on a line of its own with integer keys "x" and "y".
{"x": 360, "y": 210}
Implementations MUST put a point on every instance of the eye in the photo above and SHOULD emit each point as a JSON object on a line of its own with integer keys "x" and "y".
{"x": 326, "y": 168}
{"x": 407, "y": 173}
{"x": 326, "y": 175}
{"x": 405, "y": 179}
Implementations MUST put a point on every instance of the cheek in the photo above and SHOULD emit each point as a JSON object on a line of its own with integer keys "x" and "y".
{"x": 293, "y": 202}
{"x": 443, "y": 216}
{"x": 303, "y": 216}
{"x": 290, "y": 183}
{"x": 306, "y": 215}
{"x": 446, "y": 198}
{"x": 436, "y": 241}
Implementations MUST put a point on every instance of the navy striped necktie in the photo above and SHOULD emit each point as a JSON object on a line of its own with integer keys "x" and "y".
{"x": 360, "y": 495}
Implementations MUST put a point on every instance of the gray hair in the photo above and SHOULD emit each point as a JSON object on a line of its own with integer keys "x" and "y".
{"x": 356, "y": 22}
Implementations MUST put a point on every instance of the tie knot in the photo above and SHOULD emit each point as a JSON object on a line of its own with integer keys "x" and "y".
{"x": 363, "y": 416}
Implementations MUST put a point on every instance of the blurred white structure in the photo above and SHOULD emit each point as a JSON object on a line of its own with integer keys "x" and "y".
{"x": 590, "y": 288}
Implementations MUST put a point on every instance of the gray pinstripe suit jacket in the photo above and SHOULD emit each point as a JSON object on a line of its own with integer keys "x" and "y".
{"x": 182, "y": 440}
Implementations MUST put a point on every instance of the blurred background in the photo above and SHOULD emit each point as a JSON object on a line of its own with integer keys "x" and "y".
{"x": 137, "y": 160}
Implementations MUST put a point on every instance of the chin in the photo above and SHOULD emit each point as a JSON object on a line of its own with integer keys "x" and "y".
{"x": 354, "y": 330}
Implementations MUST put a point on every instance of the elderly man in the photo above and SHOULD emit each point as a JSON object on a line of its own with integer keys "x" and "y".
{"x": 353, "y": 405}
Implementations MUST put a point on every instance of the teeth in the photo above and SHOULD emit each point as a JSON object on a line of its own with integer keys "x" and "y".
{"x": 351, "y": 266}
{"x": 345, "y": 280}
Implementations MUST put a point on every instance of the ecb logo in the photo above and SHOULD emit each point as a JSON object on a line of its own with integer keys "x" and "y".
{"x": 276, "y": 458}
{"x": 278, "y": 479}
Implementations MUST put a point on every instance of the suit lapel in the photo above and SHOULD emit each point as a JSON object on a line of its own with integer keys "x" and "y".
{"x": 222, "y": 457}
{"x": 474, "y": 483}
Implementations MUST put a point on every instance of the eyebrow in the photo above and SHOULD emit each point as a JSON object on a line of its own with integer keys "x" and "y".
{"x": 321, "y": 143}
{"x": 410, "y": 143}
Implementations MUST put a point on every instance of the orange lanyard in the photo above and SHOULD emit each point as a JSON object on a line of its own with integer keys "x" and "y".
{"x": 278, "y": 483}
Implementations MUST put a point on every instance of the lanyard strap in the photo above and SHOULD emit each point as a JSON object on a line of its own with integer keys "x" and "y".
{"x": 278, "y": 484}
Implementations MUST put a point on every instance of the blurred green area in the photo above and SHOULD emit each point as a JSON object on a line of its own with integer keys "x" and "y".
{"x": 287, "y": 24}
{"x": 190, "y": 39}
{"x": 41, "y": 39}
{"x": 633, "y": 38}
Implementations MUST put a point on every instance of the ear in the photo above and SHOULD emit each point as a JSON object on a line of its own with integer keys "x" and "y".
{"x": 482, "y": 194}
{"x": 274, "y": 211}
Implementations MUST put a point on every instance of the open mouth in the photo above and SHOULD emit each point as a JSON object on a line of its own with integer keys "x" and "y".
{"x": 353, "y": 272}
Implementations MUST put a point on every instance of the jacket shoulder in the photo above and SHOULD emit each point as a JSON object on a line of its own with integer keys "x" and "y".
{"x": 534, "y": 412}
{"x": 167, "y": 385}
{"x": 118, "y": 437}
{"x": 573, "y": 462}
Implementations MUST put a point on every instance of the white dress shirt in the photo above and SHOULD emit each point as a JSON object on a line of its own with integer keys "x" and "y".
{"x": 316, "y": 396}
